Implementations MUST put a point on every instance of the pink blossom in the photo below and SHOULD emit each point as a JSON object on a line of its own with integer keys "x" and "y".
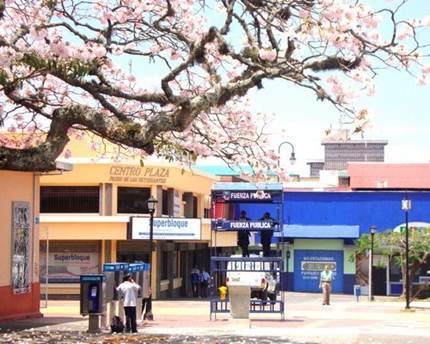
{"x": 267, "y": 54}
{"x": 67, "y": 154}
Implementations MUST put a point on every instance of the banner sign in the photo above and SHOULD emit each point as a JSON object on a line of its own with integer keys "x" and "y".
{"x": 238, "y": 225}
{"x": 166, "y": 228}
{"x": 67, "y": 266}
{"x": 20, "y": 247}
{"x": 308, "y": 265}
{"x": 247, "y": 196}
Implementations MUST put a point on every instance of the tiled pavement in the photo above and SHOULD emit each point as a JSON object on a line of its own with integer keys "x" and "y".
{"x": 344, "y": 321}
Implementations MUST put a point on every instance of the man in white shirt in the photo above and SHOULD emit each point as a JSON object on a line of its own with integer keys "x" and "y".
{"x": 326, "y": 278}
{"x": 128, "y": 290}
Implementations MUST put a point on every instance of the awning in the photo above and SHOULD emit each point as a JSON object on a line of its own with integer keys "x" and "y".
{"x": 319, "y": 232}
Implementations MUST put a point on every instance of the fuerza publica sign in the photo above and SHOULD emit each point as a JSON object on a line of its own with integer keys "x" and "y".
{"x": 253, "y": 196}
{"x": 166, "y": 228}
{"x": 251, "y": 225}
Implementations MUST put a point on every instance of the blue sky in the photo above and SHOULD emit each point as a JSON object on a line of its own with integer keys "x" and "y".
{"x": 400, "y": 107}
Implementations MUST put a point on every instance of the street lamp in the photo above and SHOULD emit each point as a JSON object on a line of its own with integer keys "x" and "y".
{"x": 372, "y": 237}
{"x": 152, "y": 204}
{"x": 292, "y": 156}
{"x": 406, "y": 206}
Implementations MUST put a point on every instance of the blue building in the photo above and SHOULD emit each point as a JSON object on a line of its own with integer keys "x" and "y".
{"x": 319, "y": 228}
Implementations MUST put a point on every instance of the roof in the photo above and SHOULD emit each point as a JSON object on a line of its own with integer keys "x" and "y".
{"x": 389, "y": 175}
{"x": 321, "y": 232}
{"x": 247, "y": 186}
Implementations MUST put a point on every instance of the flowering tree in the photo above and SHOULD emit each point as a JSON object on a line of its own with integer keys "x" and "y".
{"x": 65, "y": 68}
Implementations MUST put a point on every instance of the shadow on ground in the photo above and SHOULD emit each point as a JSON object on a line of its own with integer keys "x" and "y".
{"x": 20, "y": 325}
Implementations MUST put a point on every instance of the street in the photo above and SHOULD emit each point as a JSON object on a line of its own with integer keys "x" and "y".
{"x": 177, "y": 321}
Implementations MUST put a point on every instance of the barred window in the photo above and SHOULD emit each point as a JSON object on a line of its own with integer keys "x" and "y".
{"x": 69, "y": 199}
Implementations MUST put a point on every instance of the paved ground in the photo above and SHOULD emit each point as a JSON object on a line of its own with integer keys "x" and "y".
{"x": 307, "y": 321}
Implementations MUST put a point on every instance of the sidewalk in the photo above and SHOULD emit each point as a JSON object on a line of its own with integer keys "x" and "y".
{"x": 344, "y": 321}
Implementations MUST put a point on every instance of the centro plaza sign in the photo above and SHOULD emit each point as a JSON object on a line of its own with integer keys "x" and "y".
{"x": 135, "y": 174}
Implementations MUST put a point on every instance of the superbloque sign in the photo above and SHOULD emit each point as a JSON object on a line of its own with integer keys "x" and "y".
{"x": 166, "y": 228}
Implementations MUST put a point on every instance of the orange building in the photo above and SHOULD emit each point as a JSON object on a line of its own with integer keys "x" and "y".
{"x": 98, "y": 214}
{"x": 19, "y": 249}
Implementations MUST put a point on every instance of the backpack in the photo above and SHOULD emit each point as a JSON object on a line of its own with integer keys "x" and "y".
{"x": 117, "y": 325}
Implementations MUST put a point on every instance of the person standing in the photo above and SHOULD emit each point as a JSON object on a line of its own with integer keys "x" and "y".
{"x": 243, "y": 236}
{"x": 267, "y": 234}
{"x": 128, "y": 289}
{"x": 204, "y": 277}
{"x": 195, "y": 280}
{"x": 326, "y": 278}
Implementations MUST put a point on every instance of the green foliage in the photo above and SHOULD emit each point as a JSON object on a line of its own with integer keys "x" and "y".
{"x": 390, "y": 243}
{"x": 73, "y": 68}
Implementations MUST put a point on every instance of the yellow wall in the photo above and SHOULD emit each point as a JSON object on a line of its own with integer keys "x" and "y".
{"x": 84, "y": 231}
{"x": 167, "y": 176}
{"x": 223, "y": 239}
{"x": 17, "y": 186}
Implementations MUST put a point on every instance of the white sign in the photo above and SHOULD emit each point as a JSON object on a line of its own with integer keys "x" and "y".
{"x": 171, "y": 228}
{"x": 412, "y": 226}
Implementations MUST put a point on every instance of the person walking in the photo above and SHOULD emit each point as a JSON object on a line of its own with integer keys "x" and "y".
{"x": 147, "y": 305}
{"x": 204, "y": 278}
{"x": 195, "y": 280}
{"x": 243, "y": 236}
{"x": 128, "y": 289}
{"x": 267, "y": 234}
{"x": 326, "y": 278}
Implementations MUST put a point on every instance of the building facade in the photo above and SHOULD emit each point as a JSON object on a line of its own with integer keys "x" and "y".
{"x": 19, "y": 249}
{"x": 98, "y": 214}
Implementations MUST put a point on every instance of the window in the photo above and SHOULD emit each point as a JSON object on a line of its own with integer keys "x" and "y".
{"x": 164, "y": 274}
{"x": 165, "y": 208}
{"x": 69, "y": 199}
{"x": 195, "y": 214}
{"x": 133, "y": 200}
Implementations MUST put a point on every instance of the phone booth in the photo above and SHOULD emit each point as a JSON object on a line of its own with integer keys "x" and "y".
{"x": 114, "y": 273}
{"x": 136, "y": 270}
{"x": 91, "y": 300}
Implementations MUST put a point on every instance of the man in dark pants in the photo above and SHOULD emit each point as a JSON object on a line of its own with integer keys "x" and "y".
{"x": 267, "y": 234}
{"x": 128, "y": 289}
{"x": 243, "y": 236}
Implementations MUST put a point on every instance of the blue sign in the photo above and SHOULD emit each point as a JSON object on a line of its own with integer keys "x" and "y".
{"x": 109, "y": 267}
{"x": 308, "y": 265}
{"x": 93, "y": 278}
{"x": 238, "y": 225}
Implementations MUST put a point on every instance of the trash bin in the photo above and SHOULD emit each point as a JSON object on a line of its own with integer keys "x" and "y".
{"x": 357, "y": 291}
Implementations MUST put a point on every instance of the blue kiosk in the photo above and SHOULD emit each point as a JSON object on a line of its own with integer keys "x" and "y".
{"x": 228, "y": 201}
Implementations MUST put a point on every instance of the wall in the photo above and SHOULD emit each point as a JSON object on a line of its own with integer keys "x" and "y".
{"x": 362, "y": 208}
{"x": 348, "y": 278}
{"x": 18, "y": 186}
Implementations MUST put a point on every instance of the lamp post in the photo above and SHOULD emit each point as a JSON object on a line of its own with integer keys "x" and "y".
{"x": 152, "y": 203}
{"x": 372, "y": 237}
{"x": 406, "y": 206}
{"x": 292, "y": 156}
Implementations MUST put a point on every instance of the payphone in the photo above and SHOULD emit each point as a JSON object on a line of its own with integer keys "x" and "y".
{"x": 91, "y": 301}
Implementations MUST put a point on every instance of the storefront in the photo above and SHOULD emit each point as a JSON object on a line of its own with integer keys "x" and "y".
{"x": 98, "y": 213}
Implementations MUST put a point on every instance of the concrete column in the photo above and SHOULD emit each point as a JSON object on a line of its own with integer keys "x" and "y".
{"x": 239, "y": 301}
{"x": 108, "y": 193}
